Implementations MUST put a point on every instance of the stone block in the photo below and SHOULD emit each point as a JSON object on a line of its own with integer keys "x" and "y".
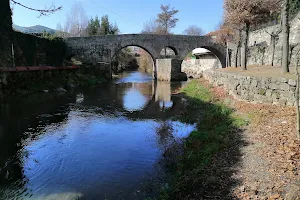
{"x": 292, "y": 82}
{"x": 282, "y": 101}
{"x": 283, "y": 80}
{"x": 268, "y": 93}
{"x": 284, "y": 87}
{"x": 274, "y": 86}
{"x": 254, "y": 83}
{"x": 293, "y": 89}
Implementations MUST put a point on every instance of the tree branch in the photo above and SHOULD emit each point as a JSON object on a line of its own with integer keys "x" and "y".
{"x": 43, "y": 12}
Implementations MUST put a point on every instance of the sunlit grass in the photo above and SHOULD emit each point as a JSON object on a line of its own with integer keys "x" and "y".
{"x": 216, "y": 125}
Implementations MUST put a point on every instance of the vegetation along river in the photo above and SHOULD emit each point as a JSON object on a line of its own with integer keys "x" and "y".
{"x": 100, "y": 142}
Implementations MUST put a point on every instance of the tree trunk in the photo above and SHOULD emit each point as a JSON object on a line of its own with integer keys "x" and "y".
{"x": 227, "y": 55}
{"x": 297, "y": 100}
{"x": 245, "y": 46}
{"x": 273, "y": 38}
{"x": 236, "y": 56}
{"x": 237, "y": 53}
{"x": 285, "y": 37}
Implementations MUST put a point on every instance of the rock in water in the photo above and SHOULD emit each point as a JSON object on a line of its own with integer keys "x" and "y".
{"x": 60, "y": 90}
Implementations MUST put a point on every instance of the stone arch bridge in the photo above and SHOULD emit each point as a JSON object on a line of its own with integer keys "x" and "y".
{"x": 97, "y": 49}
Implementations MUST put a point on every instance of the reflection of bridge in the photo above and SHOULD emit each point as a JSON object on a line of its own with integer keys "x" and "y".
{"x": 109, "y": 99}
{"x": 156, "y": 95}
{"x": 104, "y": 48}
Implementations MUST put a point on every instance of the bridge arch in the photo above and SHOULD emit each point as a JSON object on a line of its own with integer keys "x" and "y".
{"x": 218, "y": 54}
{"x": 147, "y": 67}
{"x": 215, "y": 49}
{"x": 118, "y": 50}
{"x": 169, "y": 51}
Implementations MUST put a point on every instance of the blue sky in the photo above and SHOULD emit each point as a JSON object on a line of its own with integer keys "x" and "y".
{"x": 130, "y": 15}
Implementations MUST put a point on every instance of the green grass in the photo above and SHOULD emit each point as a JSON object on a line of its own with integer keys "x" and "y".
{"x": 216, "y": 126}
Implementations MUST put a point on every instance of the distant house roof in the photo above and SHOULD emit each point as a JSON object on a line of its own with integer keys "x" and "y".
{"x": 200, "y": 51}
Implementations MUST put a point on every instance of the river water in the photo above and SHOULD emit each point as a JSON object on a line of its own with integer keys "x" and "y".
{"x": 100, "y": 142}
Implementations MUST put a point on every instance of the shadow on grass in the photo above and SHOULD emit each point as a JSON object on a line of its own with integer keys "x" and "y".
{"x": 207, "y": 167}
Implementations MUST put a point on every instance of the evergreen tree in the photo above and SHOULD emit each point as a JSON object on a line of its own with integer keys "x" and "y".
{"x": 166, "y": 19}
{"x": 93, "y": 26}
{"x": 104, "y": 28}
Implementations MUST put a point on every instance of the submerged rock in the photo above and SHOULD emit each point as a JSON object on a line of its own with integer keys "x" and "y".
{"x": 70, "y": 86}
{"x": 60, "y": 90}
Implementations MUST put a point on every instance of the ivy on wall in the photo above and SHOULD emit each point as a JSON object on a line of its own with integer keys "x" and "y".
{"x": 35, "y": 51}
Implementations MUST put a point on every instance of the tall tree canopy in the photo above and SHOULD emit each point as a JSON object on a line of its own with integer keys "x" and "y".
{"x": 93, "y": 26}
{"x": 106, "y": 28}
{"x": 166, "y": 19}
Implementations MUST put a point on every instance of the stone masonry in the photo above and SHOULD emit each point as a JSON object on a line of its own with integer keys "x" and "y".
{"x": 260, "y": 48}
{"x": 104, "y": 48}
{"x": 169, "y": 69}
{"x": 255, "y": 89}
{"x": 194, "y": 67}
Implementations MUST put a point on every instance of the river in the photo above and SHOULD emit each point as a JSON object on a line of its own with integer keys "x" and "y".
{"x": 101, "y": 142}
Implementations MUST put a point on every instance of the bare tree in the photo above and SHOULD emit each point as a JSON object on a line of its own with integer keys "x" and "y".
{"x": 46, "y": 11}
{"x": 76, "y": 21}
{"x": 153, "y": 27}
{"x": 223, "y": 36}
{"x": 245, "y": 13}
{"x": 274, "y": 35}
{"x": 193, "y": 30}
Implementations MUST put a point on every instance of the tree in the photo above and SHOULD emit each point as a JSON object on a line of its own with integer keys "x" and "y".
{"x": 46, "y": 11}
{"x": 77, "y": 21}
{"x": 152, "y": 27}
{"x": 297, "y": 97}
{"x": 93, "y": 27}
{"x": 285, "y": 36}
{"x": 106, "y": 28}
{"x": 223, "y": 36}
{"x": 193, "y": 30}
{"x": 248, "y": 12}
{"x": 166, "y": 19}
{"x": 274, "y": 36}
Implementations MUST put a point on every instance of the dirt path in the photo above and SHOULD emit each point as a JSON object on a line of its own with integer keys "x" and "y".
{"x": 270, "y": 164}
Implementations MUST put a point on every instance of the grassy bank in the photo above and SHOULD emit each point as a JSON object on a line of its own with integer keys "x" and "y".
{"x": 203, "y": 169}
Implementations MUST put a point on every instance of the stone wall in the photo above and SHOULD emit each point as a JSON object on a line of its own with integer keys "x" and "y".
{"x": 255, "y": 89}
{"x": 194, "y": 67}
{"x": 260, "y": 48}
{"x": 35, "y": 51}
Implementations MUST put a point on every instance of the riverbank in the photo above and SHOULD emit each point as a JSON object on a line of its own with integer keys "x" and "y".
{"x": 33, "y": 81}
{"x": 239, "y": 150}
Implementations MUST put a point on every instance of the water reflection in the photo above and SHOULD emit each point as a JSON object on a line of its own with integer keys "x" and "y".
{"x": 91, "y": 143}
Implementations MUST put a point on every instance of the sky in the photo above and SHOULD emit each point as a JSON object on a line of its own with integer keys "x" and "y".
{"x": 129, "y": 15}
